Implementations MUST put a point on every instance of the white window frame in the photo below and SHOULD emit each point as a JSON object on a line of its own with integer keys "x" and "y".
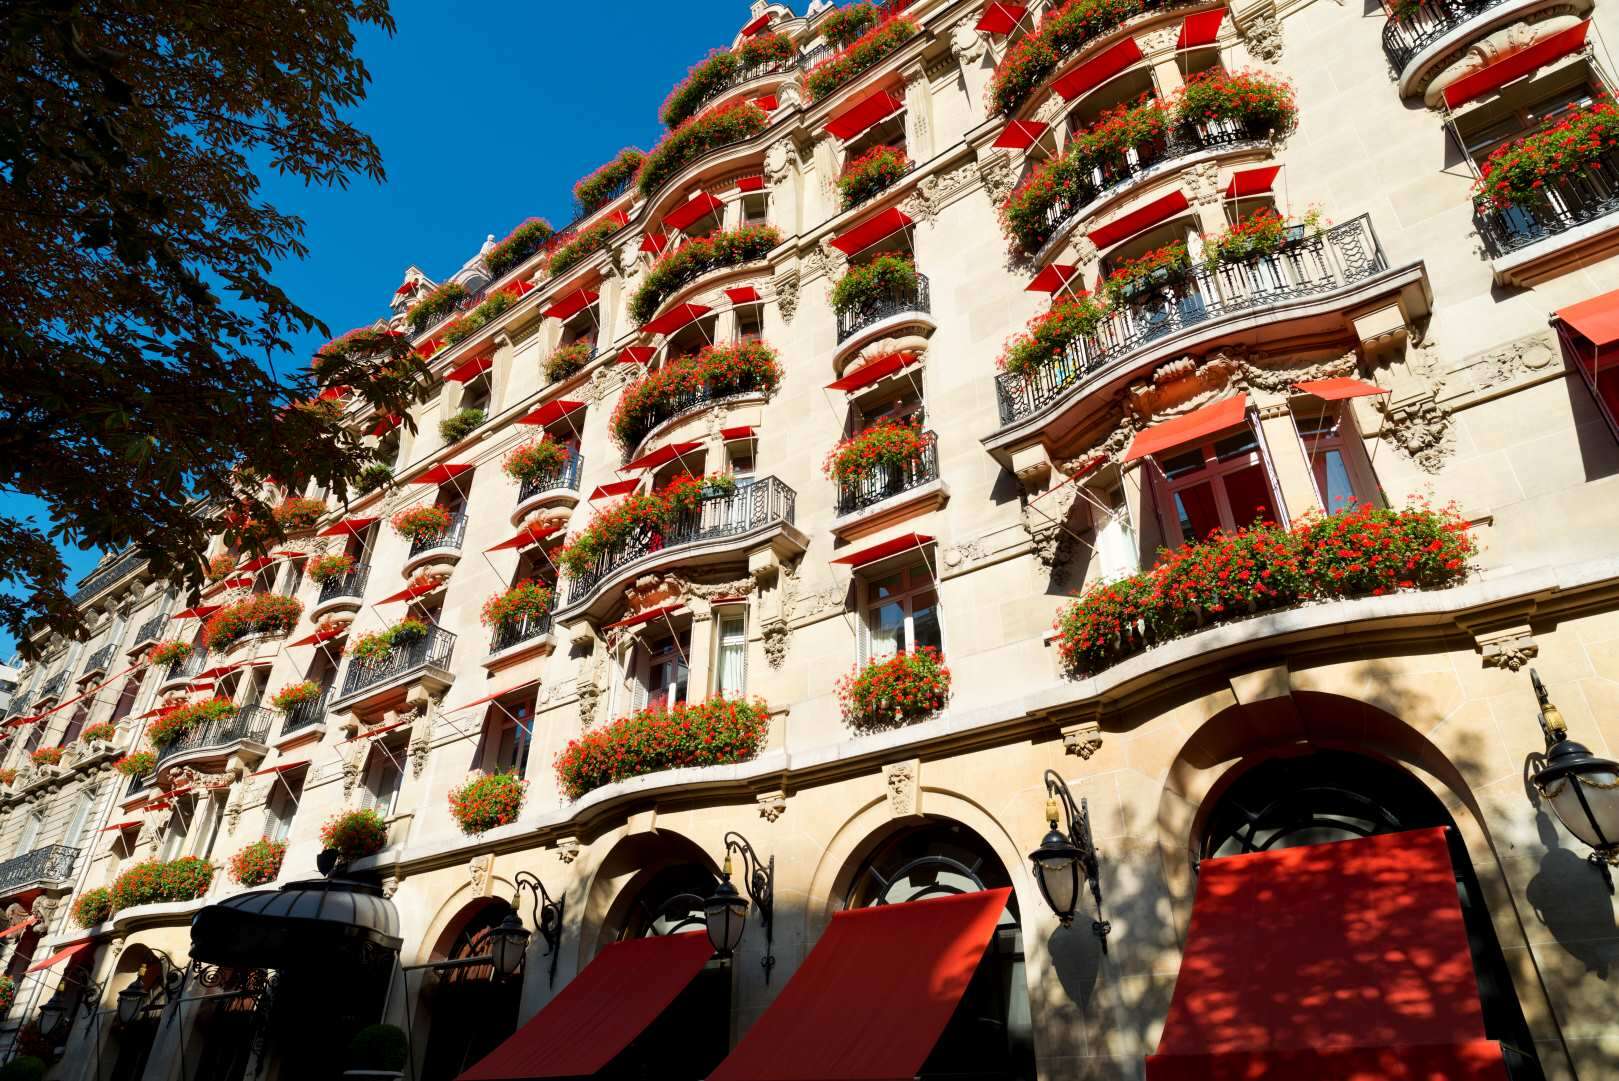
{"x": 919, "y": 579}
{"x": 1345, "y": 438}
{"x": 381, "y": 760}
{"x": 83, "y": 805}
{"x": 722, "y": 615}
{"x": 281, "y": 806}
{"x": 1213, "y": 473}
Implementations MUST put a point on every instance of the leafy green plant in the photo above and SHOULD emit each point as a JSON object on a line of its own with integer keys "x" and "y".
{"x": 878, "y": 168}
{"x": 484, "y": 802}
{"x": 715, "y": 371}
{"x": 455, "y": 428}
{"x": 537, "y": 458}
{"x": 861, "y": 55}
{"x": 707, "y": 131}
{"x": 518, "y": 246}
{"x": 886, "y": 277}
{"x": 258, "y": 862}
{"x": 713, "y": 732}
{"x": 93, "y": 906}
{"x": 565, "y": 360}
{"x": 886, "y": 444}
{"x": 527, "y": 599}
{"x": 154, "y": 881}
{"x": 1070, "y": 318}
{"x": 355, "y": 834}
{"x": 372, "y": 477}
{"x": 580, "y": 246}
{"x": 680, "y": 266}
{"x": 262, "y": 613}
{"x": 440, "y": 301}
{"x": 600, "y": 187}
{"x": 895, "y": 691}
{"x": 844, "y": 26}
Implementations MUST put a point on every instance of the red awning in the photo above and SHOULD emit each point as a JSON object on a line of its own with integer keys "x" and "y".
{"x": 874, "y": 995}
{"x": 526, "y": 537}
{"x": 18, "y": 928}
{"x": 871, "y": 371}
{"x": 470, "y": 369}
{"x": 863, "y": 114}
{"x": 517, "y": 289}
{"x": 756, "y": 25}
{"x": 430, "y": 348}
{"x": 498, "y": 694}
{"x": 744, "y": 431}
{"x": 617, "y": 487}
{"x": 571, "y": 305}
{"x": 1144, "y": 217}
{"x": 870, "y": 231}
{"x": 216, "y": 671}
{"x": 442, "y": 473}
{"x": 622, "y": 217}
{"x": 636, "y": 354}
{"x": 201, "y": 611}
{"x": 372, "y": 733}
{"x": 256, "y": 564}
{"x": 999, "y": 18}
{"x": 644, "y": 617}
{"x": 1223, "y": 414}
{"x": 324, "y": 634}
{"x": 903, "y": 543}
{"x": 691, "y": 210}
{"x": 1098, "y": 70}
{"x": 384, "y": 425}
{"x": 1052, "y": 278}
{"x": 661, "y": 456}
{"x": 412, "y": 591}
{"x": 1596, "y": 320}
{"x": 743, "y": 294}
{"x": 1200, "y": 29}
{"x": 239, "y": 583}
{"x": 348, "y": 527}
{"x": 675, "y": 318}
{"x": 283, "y": 767}
{"x": 61, "y": 955}
{"x": 654, "y": 242}
{"x": 1495, "y": 76}
{"x": 767, "y": 102}
{"x": 751, "y": 183}
{"x": 1021, "y": 134}
{"x": 551, "y": 412}
{"x": 1328, "y": 962}
{"x": 601, "y": 1010}
{"x": 1336, "y": 390}
{"x": 119, "y": 827}
{"x": 1251, "y": 182}
{"x": 331, "y": 394}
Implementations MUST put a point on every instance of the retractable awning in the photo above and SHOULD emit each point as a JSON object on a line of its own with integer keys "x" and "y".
{"x": 61, "y": 955}
{"x": 384, "y": 425}
{"x": 1052, "y": 278}
{"x": 1196, "y": 425}
{"x": 742, "y": 294}
{"x": 1336, "y": 390}
{"x": 1200, "y": 29}
{"x": 692, "y": 210}
{"x": 1516, "y": 65}
{"x": 502, "y": 693}
{"x": 470, "y": 369}
{"x": 348, "y": 527}
{"x": 600, "y": 1012}
{"x": 615, "y": 488}
{"x": 1333, "y": 962}
{"x": 412, "y": 591}
{"x": 756, "y": 182}
{"x": 1596, "y": 320}
{"x": 636, "y": 354}
{"x": 644, "y": 617}
{"x": 571, "y": 305}
{"x": 654, "y": 243}
{"x": 905, "y": 542}
{"x": 871, "y": 371}
{"x": 200, "y": 611}
{"x": 873, "y": 229}
{"x": 1143, "y": 217}
{"x": 550, "y": 412}
{"x": 1246, "y": 182}
{"x": 442, "y": 473}
{"x": 863, "y": 114}
{"x": 661, "y": 456}
{"x": 1098, "y": 70}
{"x": 526, "y": 537}
{"x": 675, "y": 318}
{"x": 1000, "y": 18}
{"x": 873, "y": 997}
{"x": 1021, "y": 134}
{"x": 324, "y": 634}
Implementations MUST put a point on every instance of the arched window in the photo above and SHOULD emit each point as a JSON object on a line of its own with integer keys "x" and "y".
{"x": 472, "y": 1011}
{"x": 671, "y": 903}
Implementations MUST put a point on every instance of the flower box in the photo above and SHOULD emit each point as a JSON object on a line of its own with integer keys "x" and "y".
{"x": 564, "y": 360}
{"x": 888, "y": 444}
{"x": 378, "y": 644}
{"x": 844, "y": 26}
{"x": 262, "y": 613}
{"x": 705, "y": 132}
{"x": 1516, "y": 172}
{"x": 174, "y": 723}
{"x": 295, "y": 694}
{"x": 7, "y": 776}
{"x": 859, "y": 56}
{"x": 1251, "y": 97}
{"x": 155, "y": 881}
{"x": 895, "y": 691}
{"x": 355, "y": 834}
{"x": 715, "y": 371}
{"x": 169, "y": 652}
{"x": 1069, "y": 319}
{"x": 138, "y": 764}
{"x": 485, "y": 313}
{"x": 419, "y": 524}
{"x": 455, "y": 428}
{"x": 1151, "y": 268}
{"x": 220, "y": 567}
{"x": 887, "y": 277}
{"x": 334, "y": 565}
{"x": 718, "y": 70}
{"x": 582, "y": 245}
{"x": 716, "y": 732}
{"x": 485, "y": 802}
{"x": 878, "y": 168}
{"x": 372, "y": 477}
{"x": 1063, "y": 31}
{"x": 603, "y": 186}
{"x": 47, "y": 756}
{"x": 612, "y": 525}
{"x": 299, "y": 513}
{"x": 682, "y": 265}
{"x": 542, "y": 457}
{"x": 439, "y": 302}
{"x": 258, "y": 863}
{"x": 519, "y": 245}
{"x": 527, "y": 599}
{"x": 99, "y": 733}
{"x": 93, "y": 906}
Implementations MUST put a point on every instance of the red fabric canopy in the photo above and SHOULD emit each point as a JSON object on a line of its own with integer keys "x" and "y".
{"x": 873, "y": 996}
{"x": 654, "y": 242}
{"x": 871, "y": 371}
{"x": 675, "y": 318}
{"x": 201, "y": 611}
{"x": 999, "y": 18}
{"x": 743, "y": 431}
{"x": 1251, "y": 181}
{"x": 1223, "y": 414}
{"x": 600, "y": 1011}
{"x": 348, "y": 527}
{"x": 622, "y": 217}
{"x": 1518, "y": 64}
{"x": 1336, "y": 390}
{"x": 863, "y": 114}
{"x": 1200, "y": 29}
{"x": 256, "y": 564}
{"x": 498, "y": 694}
{"x": 526, "y": 537}
{"x": 756, "y": 25}
{"x": 644, "y": 617}
{"x": 571, "y": 305}
{"x": 767, "y": 102}
{"x": 1333, "y": 962}
{"x": 870, "y": 231}
{"x": 1052, "y": 278}
{"x": 653, "y": 459}
{"x": 60, "y": 955}
{"x": 551, "y": 412}
{"x": 411, "y": 592}
{"x": 756, "y": 182}
{"x": 18, "y": 928}
{"x": 617, "y": 487}
{"x": 470, "y": 369}
{"x": 1098, "y": 70}
{"x": 1021, "y": 134}
{"x": 636, "y": 354}
{"x": 384, "y": 425}
{"x": 331, "y": 394}
{"x": 428, "y": 348}
{"x": 442, "y": 473}
{"x": 517, "y": 289}
{"x": 1143, "y": 217}
{"x": 743, "y": 294}
{"x": 691, "y": 210}
{"x": 902, "y": 543}
{"x": 324, "y": 634}
{"x": 119, "y": 827}
{"x": 283, "y": 767}
{"x": 1596, "y": 319}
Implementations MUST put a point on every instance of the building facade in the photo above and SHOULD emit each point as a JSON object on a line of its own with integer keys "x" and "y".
{"x": 1239, "y": 262}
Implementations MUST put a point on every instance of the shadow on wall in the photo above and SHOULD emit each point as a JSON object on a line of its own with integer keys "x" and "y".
{"x": 1571, "y": 900}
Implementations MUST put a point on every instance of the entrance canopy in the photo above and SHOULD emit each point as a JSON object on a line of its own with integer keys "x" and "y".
{"x": 302, "y": 924}
{"x": 873, "y": 996}
{"x": 1333, "y": 962}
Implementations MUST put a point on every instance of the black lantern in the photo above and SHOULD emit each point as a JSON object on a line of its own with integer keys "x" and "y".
{"x": 1582, "y": 789}
{"x": 1066, "y": 861}
{"x": 138, "y": 995}
{"x": 727, "y": 910}
{"x": 52, "y": 1013}
{"x": 508, "y": 941}
{"x": 130, "y": 1000}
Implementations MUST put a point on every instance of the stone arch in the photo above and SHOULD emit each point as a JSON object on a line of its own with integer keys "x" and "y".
{"x": 458, "y": 1015}
{"x": 616, "y": 882}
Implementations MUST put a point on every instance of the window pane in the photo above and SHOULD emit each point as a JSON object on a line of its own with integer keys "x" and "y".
{"x": 1194, "y": 506}
{"x": 925, "y": 622}
{"x": 887, "y": 629}
{"x": 887, "y": 587}
{"x": 1238, "y": 443}
{"x": 1334, "y": 477}
{"x": 1182, "y": 464}
{"x": 1248, "y": 491}
{"x": 733, "y": 657}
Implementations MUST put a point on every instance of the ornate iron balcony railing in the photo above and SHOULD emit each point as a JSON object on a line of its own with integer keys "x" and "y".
{"x": 1173, "y": 301}
{"x": 351, "y": 584}
{"x": 433, "y": 649}
{"x": 886, "y": 481}
{"x": 305, "y": 714}
{"x": 91, "y": 585}
{"x": 465, "y": 305}
{"x": 1420, "y": 25}
{"x": 764, "y": 502}
{"x": 186, "y": 667}
{"x": 857, "y": 319}
{"x": 1562, "y": 203}
{"x": 151, "y": 630}
{"x": 53, "y": 863}
{"x": 508, "y": 635}
{"x": 53, "y": 687}
{"x": 585, "y": 363}
{"x": 250, "y": 723}
{"x": 814, "y": 56}
{"x": 743, "y": 75}
{"x": 565, "y": 476}
{"x": 450, "y": 538}
{"x": 639, "y": 424}
{"x": 100, "y": 659}
{"x": 910, "y": 167}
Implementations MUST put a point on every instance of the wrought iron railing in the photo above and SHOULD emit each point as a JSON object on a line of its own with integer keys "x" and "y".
{"x": 1419, "y": 25}
{"x": 186, "y": 667}
{"x": 508, "y": 635}
{"x": 764, "y": 502}
{"x": 1562, "y": 202}
{"x": 53, "y": 687}
{"x": 743, "y": 75}
{"x": 53, "y": 863}
{"x": 351, "y": 584}
{"x": 431, "y": 650}
{"x": 864, "y": 315}
{"x": 100, "y": 659}
{"x": 571, "y": 373}
{"x": 137, "y": 784}
{"x": 248, "y": 724}
{"x": 565, "y": 475}
{"x": 809, "y": 58}
{"x": 636, "y": 426}
{"x": 882, "y": 482}
{"x": 1173, "y": 301}
{"x": 464, "y": 305}
{"x": 90, "y": 586}
{"x": 1181, "y": 141}
{"x": 305, "y": 714}
{"x": 450, "y": 538}
{"x": 907, "y": 170}
{"x": 151, "y": 630}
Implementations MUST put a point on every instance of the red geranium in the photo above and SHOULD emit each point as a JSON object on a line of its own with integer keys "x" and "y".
{"x": 718, "y": 731}
{"x": 421, "y": 523}
{"x": 488, "y": 801}
{"x": 262, "y": 613}
{"x": 860, "y": 55}
{"x": 259, "y": 862}
{"x": 716, "y": 371}
{"x": 355, "y": 834}
{"x": 895, "y": 691}
{"x": 527, "y": 599}
{"x": 886, "y": 444}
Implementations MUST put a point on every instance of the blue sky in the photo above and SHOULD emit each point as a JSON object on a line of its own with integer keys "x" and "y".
{"x": 486, "y": 114}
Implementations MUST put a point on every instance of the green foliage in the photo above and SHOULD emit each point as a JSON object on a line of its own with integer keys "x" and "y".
{"x": 885, "y": 277}
{"x": 462, "y": 424}
{"x": 377, "y": 1047}
{"x": 23, "y": 1068}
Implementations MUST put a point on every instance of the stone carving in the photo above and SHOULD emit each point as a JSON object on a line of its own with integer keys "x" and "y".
{"x": 421, "y": 744}
{"x": 1050, "y": 108}
{"x": 1160, "y": 40}
{"x": 592, "y": 687}
{"x": 995, "y": 170}
{"x": 775, "y": 633}
{"x": 801, "y": 606}
{"x": 786, "y": 286}
{"x": 1084, "y": 249}
{"x": 1532, "y": 355}
{"x": 957, "y": 555}
{"x": 1476, "y": 53}
{"x": 1510, "y": 648}
{"x": 478, "y": 868}
{"x": 1082, "y": 739}
{"x": 390, "y": 886}
{"x": 1201, "y": 183}
{"x": 789, "y": 96}
{"x": 1421, "y": 430}
{"x": 938, "y": 188}
{"x": 1045, "y": 517}
{"x": 772, "y": 805}
{"x": 967, "y": 41}
{"x": 903, "y": 782}
{"x": 567, "y": 849}
{"x": 1262, "y": 33}
{"x": 601, "y": 385}
{"x": 779, "y": 160}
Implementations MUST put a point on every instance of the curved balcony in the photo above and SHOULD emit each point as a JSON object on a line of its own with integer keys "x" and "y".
{"x": 342, "y": 592}
{"x": 559, "y": 485}
{"x": 742, "y": 77}
{"x": 48, "y": 866}
{"x": 882, "y": 483}
{"x": 885, "y": 312}
{"x": 755, "y": 516}
{"x": 425, "y": 661}
{"x": 184, "y": 671}
{"x": 1566, "y": 204}
{"x": 53, "y": 688}
{"x": 445, "y": 547}
{"x": 1419, "y": 27}
{"x": 250, "y": 725}
{"x": 1174, "y": 311}
{"x": 655, "y": 417}
{"x": 512, "y": 641}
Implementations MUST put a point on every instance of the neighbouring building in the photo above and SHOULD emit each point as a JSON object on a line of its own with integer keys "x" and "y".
{"x": 1203, "y": 416}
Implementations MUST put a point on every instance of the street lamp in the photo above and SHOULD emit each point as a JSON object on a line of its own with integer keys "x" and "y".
{"x": 133, "y": 998}
{"x": 1583, "y": 790}
{"x": 727, "y": 910}
{"x": 1064, "y": 861}
{"x": 508, "y": 941}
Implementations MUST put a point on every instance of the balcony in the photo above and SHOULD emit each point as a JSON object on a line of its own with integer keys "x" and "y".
{"x": 250, "y": 724}
{"x": 883, "y": 309}
{"x": 444, "y": 548}
{"x": 509, "y": 636}
{"x": 886, "y": 482}
{"x": 51, "y": 865}
{"x": 639, "y": 426}
{"x": 98, "y": 662}
{"x": 425, "y": 660}
{"x": 740, "y": 77}
{"x": 1196, "y": 304}
{"x": 1568, "y": 207}
{"x": 127, "y": 564}
{"x": 151, "y": 631}
{"x": 53, "y": 688}
{"x": 755, "y": 515}
{"x": 1419, "y": 26}
{"x": 344, "y": 591}
{"x": 185, "y": 669}
{"x": 556, "y": 485}
{"x": 305, "y": 714}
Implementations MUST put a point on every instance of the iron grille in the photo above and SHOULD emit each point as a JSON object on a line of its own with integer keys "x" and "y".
{"x": 431, "y": 650}
{"x": 250, "y": 723}
{"x": 886, "y": 481}
{"x": 151, "y": 630}
{"x": 53, "y": 863}
{"x": 508, "y": 635}
{"x": 450, "y": 538}
{"x": 1562, "y": 203}
{"x": 858, "y": 318}
{"x": 307, "y": 713}
{"x": 351, "y": 584}
{"x": 565, "y": 476}
{"x": 1415, "y": 28}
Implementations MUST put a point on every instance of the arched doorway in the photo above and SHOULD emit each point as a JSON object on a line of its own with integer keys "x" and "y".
{"x": 1335, "y": 795}
{"x": 990, "y": 1035}
{"x": 472, "y": 1009}
{"x": 129, "y": 1043}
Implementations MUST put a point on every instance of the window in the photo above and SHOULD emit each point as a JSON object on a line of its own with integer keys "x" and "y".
{"x": 384, "y": 776}
{"x": 654, "y": 672}
{"x": 755, "y": 208}
{"x": 901, "y": 613}
{"x": 1333, "y": 448}
{"x": 213, "y": 816}
{"x": 79, "y": 823}
{"x": 281, "y": 806}
{"x": 1220, "y": 485}
{"x": 1131, "y": 88}
{"x": 476, "y": 393}
{"x": 292, "y": 577}
{"x": 75, "y": 724}
{"x": 508, "y": 734}
{"x": 253, "y": 684}
{"x": 1116, "y": 552}
{"x": 28, "y": 837}
{"x": 749, "y": 323}
{"x": 174, "y": 834}
{"x": 1525, "y": 108}
{"x": 731, "y": 653}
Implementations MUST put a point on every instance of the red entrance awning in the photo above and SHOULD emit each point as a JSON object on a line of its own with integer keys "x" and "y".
{"x": 863, "y": 114}
{"x": 551, "y": 412}
{"x": 442, "y": 473}
{"x": 872, "y": 230}
{"x": 1143, "y": 217}
{"x": 1098, "y": 70}
{"x": 661, "y": 456}
{"x": 526, "y": 537}
{"x": 600, "y": 1011}
{"x": 61, "y": 955}
{"x": 1200, "y": 29}
{"x": 1248, "y": 182}
{"x": 1516, "y": 65}
{"x": 1226, "y": 413}
{"x": 871, "y": 371}
{"x": 675, "y": 318}
{"x": 1336, "y": 390}
{"x": 873, "y": 996}
{"x": 497, "y": 694}
{"x": 1021, "y": 134}
{"x": 1596, "y": 320}
{"x": 999, "y": 18}
{"x": 348, "y": 527}
{"x": 570, "y": 305}
{"x": 1334, "y": 962}
{"x": 1052, "y": 278}
{"x": 470, "y": 369}
{"x": 903, "y": 543}
{"x": 692, "y": 210}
